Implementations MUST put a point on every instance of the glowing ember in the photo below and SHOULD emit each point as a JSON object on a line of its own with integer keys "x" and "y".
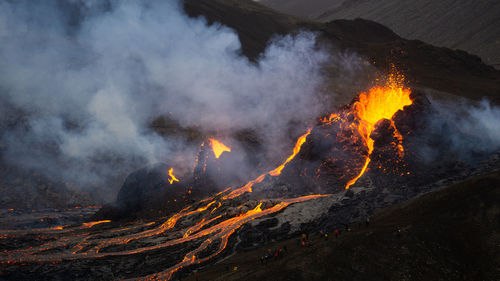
{"x": 218, "y": 148}
{"x": 171, "y": 175}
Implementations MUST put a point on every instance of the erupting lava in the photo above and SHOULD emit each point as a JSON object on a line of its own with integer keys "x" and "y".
{"x": 218, "y": 147}
{"x": 380, "y": 102}
{"x": 172, "y": 177}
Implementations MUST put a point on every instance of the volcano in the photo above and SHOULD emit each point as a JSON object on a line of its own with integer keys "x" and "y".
{"x": 366, "y": 139}
{"x": 383, "y": 133}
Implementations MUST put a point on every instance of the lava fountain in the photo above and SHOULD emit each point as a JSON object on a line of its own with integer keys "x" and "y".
{"x": 379, "y": 103}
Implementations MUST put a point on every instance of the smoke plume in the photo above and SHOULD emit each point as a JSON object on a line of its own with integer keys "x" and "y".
{"x": 459, "y": 130}
{"x": 81, "y": 81}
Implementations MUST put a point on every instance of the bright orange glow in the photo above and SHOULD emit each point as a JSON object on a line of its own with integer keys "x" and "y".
{"x": 296, "y": 150}
{"x": 223, "y": 231}
{"x": 56, "y": 228}
{"x": 377, "y": 104}
{"x": 218, "y": 147}
{"x": 172, "y": 177}
{"x": 248, "y": 187}
{"x": 92, "y": 223}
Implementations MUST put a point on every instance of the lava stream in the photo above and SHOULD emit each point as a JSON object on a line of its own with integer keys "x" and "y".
{"x": 225, "y": 229}
{"x": 248, "y": 187}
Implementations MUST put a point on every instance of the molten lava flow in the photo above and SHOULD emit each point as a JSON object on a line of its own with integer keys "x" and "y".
{"x": 218, "y": 148}
{"x": 172, "y": 177}
{"x": 377, "y": 104}
{"x": 92, "y": 223}
{"x": 296, "y": 150}
{"x": 222, "y": 231}
{"x": 248, "y": 187}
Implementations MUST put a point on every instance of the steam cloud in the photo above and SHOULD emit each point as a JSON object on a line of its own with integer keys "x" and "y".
{"x": 466, "y": 131}
{"x": 82, "y": 80}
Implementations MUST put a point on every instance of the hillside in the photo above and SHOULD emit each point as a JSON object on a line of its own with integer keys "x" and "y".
{"x": 305, "y": 9}
{"x": 450, "y": 234}
{"x": 426, "y": 66}
{"x": 472, "y": 26}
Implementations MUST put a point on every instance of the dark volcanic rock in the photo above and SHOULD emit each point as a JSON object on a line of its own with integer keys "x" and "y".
{"x": 147, "y": 192}
{"x": 142, "y": 187}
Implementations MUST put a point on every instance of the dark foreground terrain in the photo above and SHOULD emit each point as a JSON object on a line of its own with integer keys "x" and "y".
{"x": 450, "y": 234}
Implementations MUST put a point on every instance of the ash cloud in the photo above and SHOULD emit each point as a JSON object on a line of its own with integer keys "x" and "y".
{"x": 80, "y": 82}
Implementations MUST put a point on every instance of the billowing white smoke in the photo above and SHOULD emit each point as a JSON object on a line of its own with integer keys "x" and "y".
{"x": 84, "y": 90}
{"x": 463, "y": 130}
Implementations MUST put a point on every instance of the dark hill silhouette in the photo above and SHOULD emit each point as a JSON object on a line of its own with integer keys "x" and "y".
{"x": 472, "y": 26}
{"x": 452, "y": 71}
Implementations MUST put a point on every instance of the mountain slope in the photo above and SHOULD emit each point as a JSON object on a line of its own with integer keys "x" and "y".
{"x": 450, "y": 234}
{"x": 473, "y": 26}
{"x": 426, "y": 66}
{"x": 254, "y": 23}
{"x": 306, "y": 9}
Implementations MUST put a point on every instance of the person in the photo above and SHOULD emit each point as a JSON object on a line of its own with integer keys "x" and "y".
{"x": 304, "y": 239}
{"x": 197, "y": 276}
{"x": 336, "y": 233}
{"x": 367, "y": 221}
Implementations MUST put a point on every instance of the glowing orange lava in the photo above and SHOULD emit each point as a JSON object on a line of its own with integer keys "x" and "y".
{"x": 92, "y": 223}
{"x": 248, "y": 187}
{"x": 296, "y": 150}
{"x": 172, "y": 177}
{"x": 377, "y": 104}
{"x": 218, "y": 147}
